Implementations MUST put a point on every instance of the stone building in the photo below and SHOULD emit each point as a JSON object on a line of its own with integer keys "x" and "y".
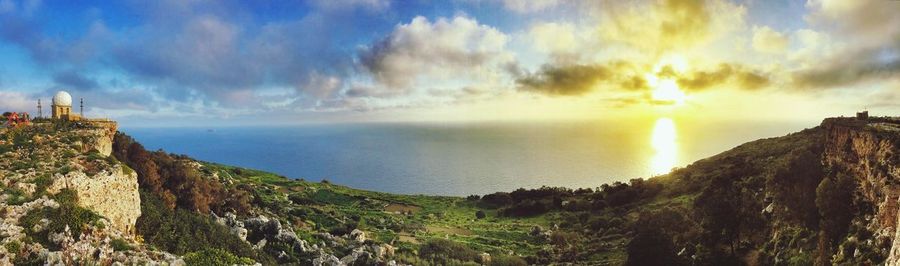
{"x": 62, "y": 107}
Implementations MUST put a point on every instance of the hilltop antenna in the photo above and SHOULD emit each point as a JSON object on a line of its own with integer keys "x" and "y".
{"x": 82, "y": 107}
{"x": 40, "y": 111}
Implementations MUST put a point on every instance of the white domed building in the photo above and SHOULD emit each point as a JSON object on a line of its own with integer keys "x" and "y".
{"x": 62, "y": 106}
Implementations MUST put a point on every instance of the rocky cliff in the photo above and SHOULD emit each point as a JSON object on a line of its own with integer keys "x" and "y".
{"x": 99, "y": 139}
{"x": 112, "y": 193}
{"x": 868, "y": 152}
{"x": 65, "y": 200}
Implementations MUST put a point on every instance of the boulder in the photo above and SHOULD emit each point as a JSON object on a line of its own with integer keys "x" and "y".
{"x": 358, "y": 235}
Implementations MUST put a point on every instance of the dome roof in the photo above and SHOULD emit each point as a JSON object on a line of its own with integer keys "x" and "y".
{"x": 62, "y": 98}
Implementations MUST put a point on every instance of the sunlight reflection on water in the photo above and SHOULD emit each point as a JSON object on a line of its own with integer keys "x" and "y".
{"x": 665, "y": 144}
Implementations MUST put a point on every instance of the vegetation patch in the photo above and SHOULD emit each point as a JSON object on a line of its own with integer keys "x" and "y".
{"x": 69, "y": 214}
{"x": 181, "y": 231}
{"x": 215, "y": 257}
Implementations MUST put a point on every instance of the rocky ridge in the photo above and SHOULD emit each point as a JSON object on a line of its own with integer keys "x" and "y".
{"x": 40, "y": 163}
{"x": 868, "y": 152}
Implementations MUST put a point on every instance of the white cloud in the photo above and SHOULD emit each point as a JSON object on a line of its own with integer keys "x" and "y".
{"x": 375, "y": 5}
{"x": 13, "y": 101}
{"x": 669, "y": 25}
{"x": 868, "y": 21}
{"x": 446, "y": 49}
{"x": 767, "y": 40}
{"x": 563, "y": 41}
{"x": 529, "y": 6}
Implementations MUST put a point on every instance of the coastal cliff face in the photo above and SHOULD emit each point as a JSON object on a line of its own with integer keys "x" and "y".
{"x": 112, "y": 193}
{"x": 65, "y": 200}
{"x": 868, "y": 152}
{"x": 99, "y": 139}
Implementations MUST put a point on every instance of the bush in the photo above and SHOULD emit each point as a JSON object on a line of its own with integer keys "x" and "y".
{"x": 496, "y": 200}
{"x": 180, "y": 231}
{"x": 834, "y": 198}
{"x": 442, "y": 251}
{"x": 40, "y": 184}
{"x": 507, "y": 260}
{"x": 15, "y": 196}
{"x": 176, "y": 183}
{"x": 68, "y": 214}
{"x": 525, "y": 209}
{"x": 215, "y": 257}
{"x": 119, "y": 244}
{"x": 480, "y": 214}
{"x": 800, "y": 260}
{"x": 13, "y": 247}
{"x": 651, "y": 247}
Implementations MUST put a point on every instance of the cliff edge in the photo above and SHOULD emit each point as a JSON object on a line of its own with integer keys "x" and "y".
{"x": 66, "y": 200}
{"x": 867, "y": 150}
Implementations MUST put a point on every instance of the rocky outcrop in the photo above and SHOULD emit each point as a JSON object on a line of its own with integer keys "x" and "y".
{"x": 261, "y": 231}
{"x": 99, "y": 139}
{"x": 112, "y": 193}
{"x": 868, "y": 151}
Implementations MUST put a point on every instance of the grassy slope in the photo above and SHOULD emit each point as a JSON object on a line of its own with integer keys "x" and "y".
{"x": 596, "y": 235}
{"x": 330, "y": 205}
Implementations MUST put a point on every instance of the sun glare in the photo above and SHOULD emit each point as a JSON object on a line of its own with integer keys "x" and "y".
{"x": 664, "y": 143}
{"x": 667, "y": 90}
{"x": 665, "y": 87}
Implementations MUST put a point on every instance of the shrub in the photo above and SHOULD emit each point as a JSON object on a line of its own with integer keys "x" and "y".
{"x": 215, "y": 257}
{"x": 68, "y": 214}
{"x": 496, "y": 200}
{"x": 119, "y": 244}
{"x": 480, "y": 214}
{"x": 651, "y": 247}
{"x": 181, "y": 231}
{"x": 526, "y": 208}
{"x": 800, "y": 259}
{"x": 507, "y": 260}
{"x": 442, "y": 251}
{"x": 40, "y": 184}
{"x": 562, "y": 239}
{"x": 13, "y": 247}
{"x": 16, "y": 196}
{"x": 176, "y": 183}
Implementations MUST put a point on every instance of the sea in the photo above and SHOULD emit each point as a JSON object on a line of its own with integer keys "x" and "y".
{"x": 464, "y": 158}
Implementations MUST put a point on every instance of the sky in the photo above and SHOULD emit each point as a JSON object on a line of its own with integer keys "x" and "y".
{"x": 197, "y": 62}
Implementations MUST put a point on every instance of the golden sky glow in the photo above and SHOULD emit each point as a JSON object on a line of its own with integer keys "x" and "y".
{"x": 460, "y": 60}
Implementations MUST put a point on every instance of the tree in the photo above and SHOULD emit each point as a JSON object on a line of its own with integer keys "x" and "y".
{"x": 834, "y": 199}
{"x": 719, "y": 209}
{"x": 651, "y": 247}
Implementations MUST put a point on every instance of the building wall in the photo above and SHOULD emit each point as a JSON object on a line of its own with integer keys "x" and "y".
{"x": 60, "y": 112}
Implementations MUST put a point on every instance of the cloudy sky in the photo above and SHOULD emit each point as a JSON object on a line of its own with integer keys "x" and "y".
{"x": 284, "y": 62}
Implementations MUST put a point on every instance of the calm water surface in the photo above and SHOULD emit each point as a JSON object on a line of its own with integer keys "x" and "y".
{"x": 463, "y": 159}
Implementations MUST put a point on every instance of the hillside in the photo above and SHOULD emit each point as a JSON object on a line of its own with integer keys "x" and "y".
{"x": 825, "y": 195}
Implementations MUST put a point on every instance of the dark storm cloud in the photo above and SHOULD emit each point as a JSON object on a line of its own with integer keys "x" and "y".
{"x": 564, "y": 80}
{"x": 196, "y": 52}
{"x": 74, "y": 80}
{"x": 25, "y": 33}
{"x": 581, "y": 79}
{"x": 736, "y": 75}
{"x": 850, "y": 68}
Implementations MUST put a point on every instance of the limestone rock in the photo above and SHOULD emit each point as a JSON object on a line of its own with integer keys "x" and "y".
{"x": 358, "y": 235}
{"x": 113, "y": 195}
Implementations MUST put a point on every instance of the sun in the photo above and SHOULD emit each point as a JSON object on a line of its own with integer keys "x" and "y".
{"x": 667, "y": 90}
{"x": 663, "y": 80}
